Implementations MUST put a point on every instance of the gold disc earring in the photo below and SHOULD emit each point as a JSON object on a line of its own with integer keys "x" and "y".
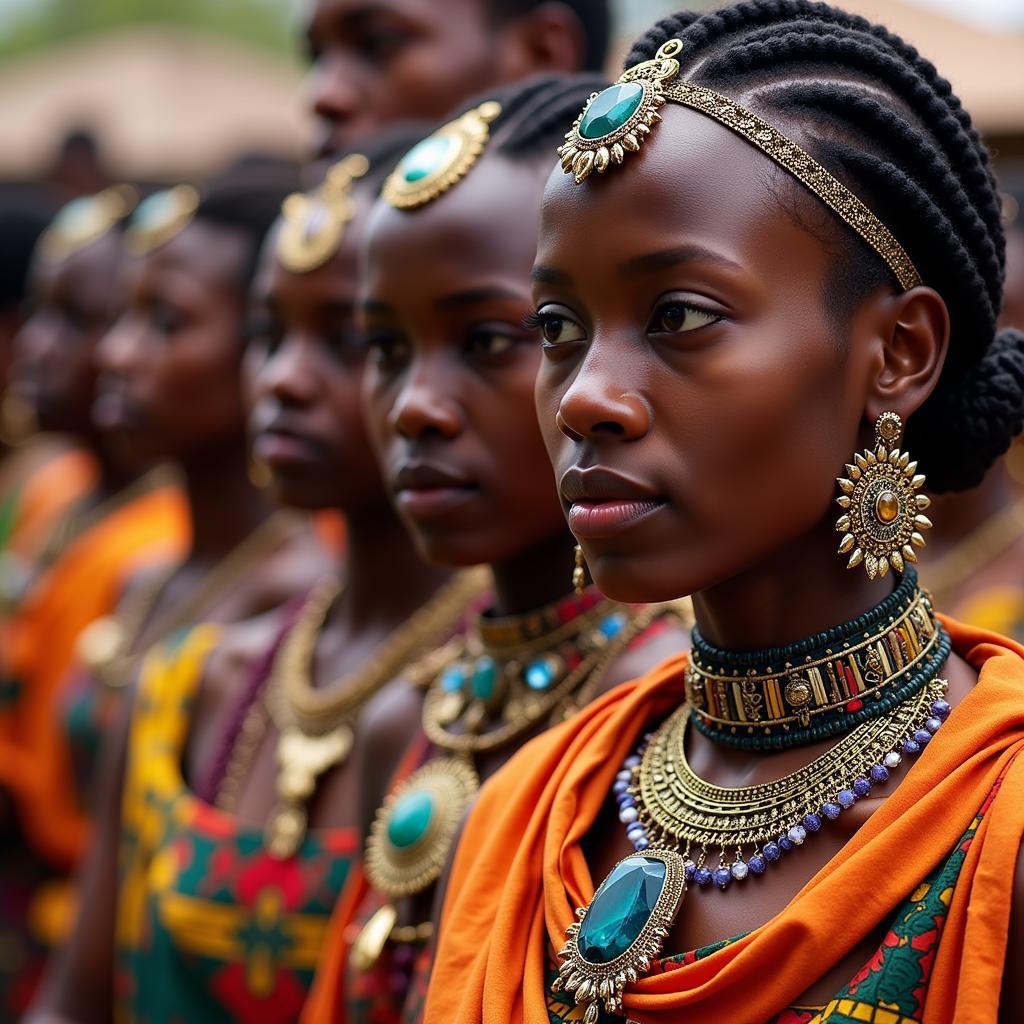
{"x": 883, "y": 511}
{"x": 579, "y": 573}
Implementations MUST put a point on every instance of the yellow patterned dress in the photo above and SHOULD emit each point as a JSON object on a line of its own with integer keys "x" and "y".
{"x": 210, "y": 927}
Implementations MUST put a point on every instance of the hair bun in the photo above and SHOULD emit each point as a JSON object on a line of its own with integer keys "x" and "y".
{"x": 978, "y": 416}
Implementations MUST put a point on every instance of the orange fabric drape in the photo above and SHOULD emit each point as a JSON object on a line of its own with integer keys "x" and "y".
{"x": 81, "y": 586}
{"x": 50, "y": 490}
{"x": 326, "y": 1002}
{"x": 520, "y": 872}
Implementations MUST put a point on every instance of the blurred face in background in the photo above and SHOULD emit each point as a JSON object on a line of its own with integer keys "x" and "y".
{"x": 72, "y": 304}
{"x": 380, "y": 61}
{"x": 169, "y": 369}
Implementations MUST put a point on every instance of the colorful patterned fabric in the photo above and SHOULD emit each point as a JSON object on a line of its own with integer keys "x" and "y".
{"x": 889, "y": 989}
{"x": 210, "y": 927}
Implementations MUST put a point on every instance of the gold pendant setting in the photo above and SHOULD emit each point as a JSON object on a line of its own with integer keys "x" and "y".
{"x": 414, "y": 829}
{"x": 883, "y": 513}
{"x": 441, "y": 160}
{"x": 621, "y": 931}
{"x": 617, "y": 120}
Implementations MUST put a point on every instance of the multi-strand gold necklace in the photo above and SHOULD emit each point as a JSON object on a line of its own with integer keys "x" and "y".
{"x": 487, "y": 691}
{"x": 316, "y": 726}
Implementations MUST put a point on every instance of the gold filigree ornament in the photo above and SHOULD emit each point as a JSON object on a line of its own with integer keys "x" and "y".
{"x": 159, "y": 218}
{"x": 618, "y": 119}
{"x": 883, "y": 511}
{"x": 612, "y": 945}
{"x": 85, "y": 220}
{"x": 441, "y": 160}
{"x": 409, "y": 842}
{"x": 313, "y": 224}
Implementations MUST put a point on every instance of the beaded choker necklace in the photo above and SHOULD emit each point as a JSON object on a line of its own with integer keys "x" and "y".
{"x": 820, "y": 687}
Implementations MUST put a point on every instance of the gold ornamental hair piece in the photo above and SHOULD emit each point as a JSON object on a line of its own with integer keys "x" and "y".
{"x": 85, "y": 220}
{"x": 617, "y": 121}
{"x": 313, "y": 223}
{"x": 883, "y": 512}
{"x": 441, "y": 160}
{"x": 159, "y": 218}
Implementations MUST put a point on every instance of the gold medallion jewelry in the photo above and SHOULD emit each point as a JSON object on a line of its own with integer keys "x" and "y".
{"x": 313, "y": 224}
{"x": 316, "y": 726}
{"x": 159, "y": 218}
{"x": 518, "y": 672}
{"x": 617, "y": 121}
{"x": 85, "y": 220}
{"x": 441, "y": 160}
{"x": 409, "y": 843}
{"x": 883, "y": 513}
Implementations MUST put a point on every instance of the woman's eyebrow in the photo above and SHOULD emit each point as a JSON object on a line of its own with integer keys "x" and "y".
{"x": 650, "y": 262}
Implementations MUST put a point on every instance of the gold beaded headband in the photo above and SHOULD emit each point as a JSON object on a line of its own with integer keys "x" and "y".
{"x": 159, "y": 218}
{"x": 85, "y": 220}
{"x": 313, "y": 224}
{"x": 441, "y": 160}
{"x": 617, "y": 121}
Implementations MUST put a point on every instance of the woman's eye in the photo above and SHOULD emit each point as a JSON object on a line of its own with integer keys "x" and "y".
{"x": 164, "y": 319}
{"x": 677, "y": 318}
{"x": 554, "y": 329}
{"x": 385, "y": 349}
{"x": 491, "y": 343}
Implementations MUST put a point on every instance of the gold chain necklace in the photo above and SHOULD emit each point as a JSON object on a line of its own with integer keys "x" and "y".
{"x": 107, "y": 646}
{"x": 316, "y": 727}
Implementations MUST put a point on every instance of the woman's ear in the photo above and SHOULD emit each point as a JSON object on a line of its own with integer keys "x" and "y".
{"x": 913, "y": 331}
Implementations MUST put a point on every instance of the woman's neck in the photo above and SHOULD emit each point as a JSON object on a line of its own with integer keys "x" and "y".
{"x": 223, "y": 506}
{"x": 386, "y": 581}
{"x": 801, "y": 589}
{"x": 535, "y": 577}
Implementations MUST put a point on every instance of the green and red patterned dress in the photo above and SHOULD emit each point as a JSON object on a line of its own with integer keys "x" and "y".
{"x": 210, "y": 927}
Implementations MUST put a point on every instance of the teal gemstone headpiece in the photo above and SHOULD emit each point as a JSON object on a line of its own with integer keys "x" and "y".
{"x": 85, "y": 220}
{"x": 159, "y": 218}
{"x": 441, "y": 160}
{"x": 616, "y": 121}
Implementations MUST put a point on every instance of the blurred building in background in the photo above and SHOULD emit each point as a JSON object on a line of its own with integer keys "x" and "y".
{"x": 165, "y": 90}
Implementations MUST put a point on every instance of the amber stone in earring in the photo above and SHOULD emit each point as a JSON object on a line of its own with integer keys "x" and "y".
{"x": 883, "y": 513}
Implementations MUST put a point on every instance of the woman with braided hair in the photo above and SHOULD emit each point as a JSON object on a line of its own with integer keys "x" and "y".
{"x": 768, "y": 277}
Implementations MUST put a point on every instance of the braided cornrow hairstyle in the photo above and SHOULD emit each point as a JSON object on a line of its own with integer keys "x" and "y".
{"x": 880, "y": 117}
{"x": 535, "y": 113}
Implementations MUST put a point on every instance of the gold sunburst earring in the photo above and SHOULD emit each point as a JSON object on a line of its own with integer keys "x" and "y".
{"x": 579, "y": 572}
{"x": 883, "y": 509}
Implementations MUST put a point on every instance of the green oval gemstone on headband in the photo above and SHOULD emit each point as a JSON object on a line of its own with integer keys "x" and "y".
{"x": 426, "y": 157}
{"x": 611, "y": 109}
{"x": 410, "y": 819}
{"x": 621, "y": 908}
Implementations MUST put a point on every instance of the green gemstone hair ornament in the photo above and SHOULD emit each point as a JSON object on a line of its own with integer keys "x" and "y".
{"x": 313, "y": 224}
{"x": 441, "y": 160}
{"x": 616, "y": 121}
{"x": 159, "y": 218}
{"x": 85, "y": 220}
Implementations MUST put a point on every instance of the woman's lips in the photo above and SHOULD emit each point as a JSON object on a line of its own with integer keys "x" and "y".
{"x": 596, "y": 520}
{"x": 282, "y": 450}
{"x": 424, "y": 491}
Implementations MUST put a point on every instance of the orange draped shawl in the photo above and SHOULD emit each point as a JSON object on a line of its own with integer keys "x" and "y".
{"x": 520, "y": 872}
{"x": 84, "y": 584}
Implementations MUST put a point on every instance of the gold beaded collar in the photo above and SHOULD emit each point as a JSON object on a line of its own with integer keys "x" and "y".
{"x": 617, "y": 121}
{"x": 313, "y": 223}
{"x": 159, "y": 218}
{"x": 441, "y": 160}
{"x": 85, "y": 220}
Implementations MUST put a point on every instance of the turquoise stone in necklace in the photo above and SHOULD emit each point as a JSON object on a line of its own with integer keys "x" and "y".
{"x": 485, "y": 678}
{"x": 410, "y": 819}
{"x": 621, "y": 908}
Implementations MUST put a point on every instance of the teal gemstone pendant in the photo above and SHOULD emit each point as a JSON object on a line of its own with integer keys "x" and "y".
{"x": 617, "y": 120}
{"x": 622, "y": 930}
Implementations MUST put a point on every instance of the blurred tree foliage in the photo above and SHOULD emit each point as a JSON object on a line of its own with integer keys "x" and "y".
{"x": 27, "y": 25}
